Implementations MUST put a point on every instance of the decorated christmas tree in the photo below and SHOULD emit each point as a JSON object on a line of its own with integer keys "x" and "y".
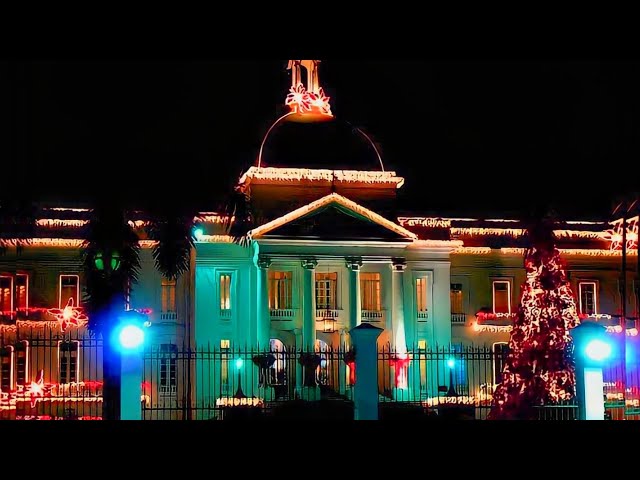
{"x": 539, "y": 367}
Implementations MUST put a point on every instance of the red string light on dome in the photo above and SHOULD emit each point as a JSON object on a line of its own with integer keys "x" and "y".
{"x": 303, "y": 102}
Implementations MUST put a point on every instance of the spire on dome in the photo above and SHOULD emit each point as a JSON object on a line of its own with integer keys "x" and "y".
{"x": 306, "y": 98}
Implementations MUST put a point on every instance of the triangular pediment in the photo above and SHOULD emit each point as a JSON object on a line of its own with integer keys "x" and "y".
{"x": 333, "y": 217}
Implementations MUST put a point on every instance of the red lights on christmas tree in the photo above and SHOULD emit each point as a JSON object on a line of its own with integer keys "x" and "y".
{"x": 539, "y": 367}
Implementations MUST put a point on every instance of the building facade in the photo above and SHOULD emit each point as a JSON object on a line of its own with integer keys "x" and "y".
{"x": 327, "y": 251}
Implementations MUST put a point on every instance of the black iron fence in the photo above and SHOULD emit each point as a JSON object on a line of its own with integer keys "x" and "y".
{"x": 45, "y": 374}
{"x": 215, "y": 383}
{"x": 48, "y": 375}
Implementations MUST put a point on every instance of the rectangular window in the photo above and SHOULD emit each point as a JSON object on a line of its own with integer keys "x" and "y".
{"x": 421, "y": 295}
{"x": 588, "y": 298}
{"x": 22, "y": 362}
{"x": 225, "y": 291}
{"x": 326, "y": 291}
{"x": 280, "y": 288}
{"x": 68, "y": 357}
{"x": 69, "y": 288}
{"x": 370, "y": 291}
{"x": 6, "y": 296}
{"x": 501, "y": 296}
{"x": 457, "y": 302}
{"x": 22, "y": 291}
{"x": 500, "y": 352}
{"x": 168, "y": 296}
{"x": 168, "y": 370}
{"x": 6, "y": 368}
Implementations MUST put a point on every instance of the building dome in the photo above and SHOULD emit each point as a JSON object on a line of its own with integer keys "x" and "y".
{"x": 328, "y": 144}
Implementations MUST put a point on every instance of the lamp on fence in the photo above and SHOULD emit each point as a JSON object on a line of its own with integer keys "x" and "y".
{"x": 451, "y": 363}
{"x": 329, "y": 325}
{"x": 239, "y": 365}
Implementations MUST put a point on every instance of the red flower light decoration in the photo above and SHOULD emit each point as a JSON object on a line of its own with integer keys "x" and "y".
{"x": 401, "y": 364}
{"x": 614, "y": 235}
{"x": 69, "y": 315}
{"x": 302, "y": 102}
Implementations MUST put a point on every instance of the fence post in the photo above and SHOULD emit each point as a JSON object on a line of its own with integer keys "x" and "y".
{"x": 131, "y": 389}
{"x": 592, "y": 348}
{"x": 365, "y": 393}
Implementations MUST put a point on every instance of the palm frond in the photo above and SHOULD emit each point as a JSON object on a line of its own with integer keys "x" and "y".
{"x": 109, "y": 233}
{"x": 238, "y": 216}
{"x": 173, "y": 230}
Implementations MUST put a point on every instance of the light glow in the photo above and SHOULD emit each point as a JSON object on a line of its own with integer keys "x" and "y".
{"x": 614, "y": 235}
{"x": 239, "y": 402}
{"x": 473, "y": 250}
{"x": 60, "y": 223}
{"x": 597, "y": 350}
{"x": 492, "y": 328}
{"x": 426, "y": 222}
{"x": 303, "y": 102}
{"x": 274, "y": 175}
{"x": 476, "y": 231}
{"x": 131, "y": 337}
{"x": 69, "y": 316}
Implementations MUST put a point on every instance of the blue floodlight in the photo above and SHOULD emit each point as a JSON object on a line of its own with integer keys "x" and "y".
{"x": 130, "y": 337}
{"x": 597, "y": 350}
{"x": 451, "y": 363}
{"x": 239, "y": 363}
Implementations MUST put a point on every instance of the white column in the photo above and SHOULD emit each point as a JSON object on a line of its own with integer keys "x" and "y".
{"x": 263, "y": 317}
{"x": 309, "y": 305}
{"x": 355, "y": 310}
{"x": 397, "y": 306}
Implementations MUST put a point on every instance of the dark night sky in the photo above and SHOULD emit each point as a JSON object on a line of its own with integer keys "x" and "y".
{"x": 467, "y": 136}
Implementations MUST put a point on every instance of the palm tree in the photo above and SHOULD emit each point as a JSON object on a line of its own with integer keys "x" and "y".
{"x": 171, "y": 226}
{"x": 111, "y": 264}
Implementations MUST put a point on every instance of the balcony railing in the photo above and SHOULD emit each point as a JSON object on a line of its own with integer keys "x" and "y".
{"x": 458, "y": 318}
{"x": 226, "y": 314}
{"x": 422, "y": 316}
{"x": 166, "y": 316}
{"x": 282, "y": 313}
{"x": 372, "y": 316}
{"x": 327, "y": 313}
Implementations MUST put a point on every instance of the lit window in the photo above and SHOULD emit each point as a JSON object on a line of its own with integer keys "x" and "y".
{"x": 168, "y": 370}
{"x": 457, "y": 305}
{"x": 6, "y": 368}
{"x": 370, "y": 291}
{"x": 22, "y": 291}
{"x": 168, "y": 296}
{"x": 326, "y": 290}
{"x": 6, "y": 296}
{"x": 225, "y": 380}
{"x": 225, "y": 291}
{"x": 422, "y": 344}
{"x": 280, "y": 288}
{"x": 501, "y": 296}
{"x": 588, "y": 298}
{"x": 69, "y": 288}
{"x": 68, "y": 361}
{"x": 22, "y": 362}
{"x": 500, "y": 352}
{"x": 421, "y": 296}
{"x": 224, "y": 343}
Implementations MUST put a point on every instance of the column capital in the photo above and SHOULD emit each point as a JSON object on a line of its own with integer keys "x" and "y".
{"x": 263, "y": 261}
{"x": 398, "y": 264}
{"x": 353, "y": 263}
{"x": 309, "y": 263}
